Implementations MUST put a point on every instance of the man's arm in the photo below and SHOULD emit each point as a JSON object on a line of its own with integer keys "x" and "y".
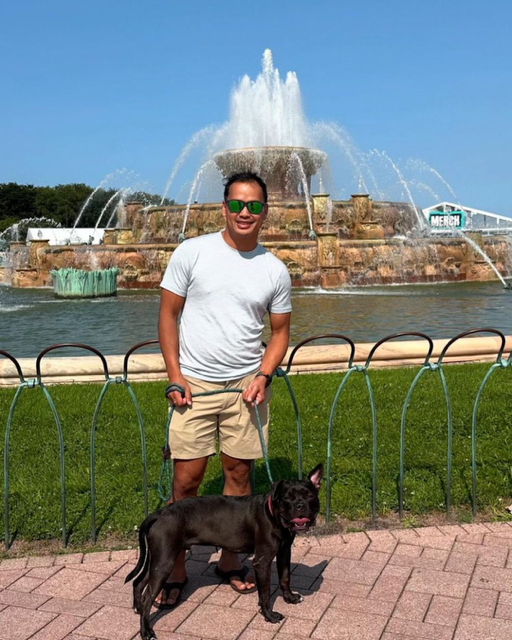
{"x": 170, "y": 309}
{"x": 273, "y": 356}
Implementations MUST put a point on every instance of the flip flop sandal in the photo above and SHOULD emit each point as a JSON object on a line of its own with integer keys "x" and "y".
{"x": 238, "y": 574}
{"x": 167, "y": 587}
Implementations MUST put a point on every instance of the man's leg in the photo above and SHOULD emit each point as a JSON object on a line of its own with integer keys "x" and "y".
{"x": 236, "y": 483}
{"x": 187, "y": 476}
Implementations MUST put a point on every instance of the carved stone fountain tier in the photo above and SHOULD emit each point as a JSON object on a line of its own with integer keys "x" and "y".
{"x": 282, "y": 168}
{"x": 359, "y": 242}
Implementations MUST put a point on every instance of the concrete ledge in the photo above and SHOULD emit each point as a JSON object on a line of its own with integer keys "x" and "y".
{"x": 309, "y": 359}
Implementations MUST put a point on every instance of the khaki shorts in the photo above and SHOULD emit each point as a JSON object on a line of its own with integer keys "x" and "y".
{"x": 194, "y": 430}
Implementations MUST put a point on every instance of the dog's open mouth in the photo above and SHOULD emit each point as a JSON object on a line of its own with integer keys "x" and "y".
{"x": 300, "y": 524}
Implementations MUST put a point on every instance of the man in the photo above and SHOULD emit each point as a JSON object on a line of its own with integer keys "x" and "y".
{"x": 223, "y": 284}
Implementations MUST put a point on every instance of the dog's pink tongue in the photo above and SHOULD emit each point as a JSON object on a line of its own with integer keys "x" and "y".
{"x": 300, "y": 521}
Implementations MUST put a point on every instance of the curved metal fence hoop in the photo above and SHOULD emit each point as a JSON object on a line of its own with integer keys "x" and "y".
{"x": 6, "y": 463}
{"x": 283, "y": 373}
{"x": 449, "y": 441}
{"x": 338, "y": 336}
{"x": 402, "y": 335}
{"x": 17, "y": 365}
{"x": 496, "y": 365}
{"x": 465, "y": 334}
{"x": 93, "y": 457}
{"x": 402, "y": 438}
{"x": 374, "y": 444}
{"x": 131, "y": 351}
{"x": 329, "y": 442}
{"x": 74, "y": 345}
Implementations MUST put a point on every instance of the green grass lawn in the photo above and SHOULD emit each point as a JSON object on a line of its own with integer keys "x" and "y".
{"x": 34, "y": 460}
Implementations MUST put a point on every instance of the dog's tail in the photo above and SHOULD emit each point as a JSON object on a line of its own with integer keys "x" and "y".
{"x": 142, "y": 564}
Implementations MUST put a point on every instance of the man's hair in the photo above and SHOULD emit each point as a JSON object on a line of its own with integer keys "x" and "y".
{"x": 246, "y": 176}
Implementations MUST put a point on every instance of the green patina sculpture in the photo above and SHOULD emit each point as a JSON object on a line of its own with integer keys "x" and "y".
{"x": 76, "y": 283}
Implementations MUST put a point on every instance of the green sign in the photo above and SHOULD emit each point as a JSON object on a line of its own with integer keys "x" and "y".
{"x": 447, "y": 219}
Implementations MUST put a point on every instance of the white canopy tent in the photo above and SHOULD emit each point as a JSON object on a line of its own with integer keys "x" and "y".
{"x": 58, "y": 236}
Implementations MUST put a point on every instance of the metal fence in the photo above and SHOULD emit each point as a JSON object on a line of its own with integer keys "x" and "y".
{"x": 427, "y": 368}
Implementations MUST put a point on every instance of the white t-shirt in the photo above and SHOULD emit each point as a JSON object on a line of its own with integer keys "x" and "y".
{"x": 228, "y": 293}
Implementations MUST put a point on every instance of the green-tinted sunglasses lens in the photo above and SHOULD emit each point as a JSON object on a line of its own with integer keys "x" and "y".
{"x": 255, "y": 207}
{"x": 235, "y": 206}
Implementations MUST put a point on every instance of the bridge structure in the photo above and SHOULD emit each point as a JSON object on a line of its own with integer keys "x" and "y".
{"x": 445, "y": 217}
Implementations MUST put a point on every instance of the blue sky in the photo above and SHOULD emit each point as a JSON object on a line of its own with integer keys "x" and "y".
{"x": 88, "y": 88}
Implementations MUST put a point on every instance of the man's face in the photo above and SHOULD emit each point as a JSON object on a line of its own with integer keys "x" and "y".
{"x": 244, "y": 225}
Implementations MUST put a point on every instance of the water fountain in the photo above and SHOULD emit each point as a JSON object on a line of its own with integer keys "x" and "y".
{"x": 323, "y": 239}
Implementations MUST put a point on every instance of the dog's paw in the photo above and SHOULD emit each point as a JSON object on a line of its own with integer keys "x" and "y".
{"x": 293, "y": 598}
{"x": 274, "y": 617}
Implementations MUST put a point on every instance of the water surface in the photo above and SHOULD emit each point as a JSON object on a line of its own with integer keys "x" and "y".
{"x": 32, "y": 319}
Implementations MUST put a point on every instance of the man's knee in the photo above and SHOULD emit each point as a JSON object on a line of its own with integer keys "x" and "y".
{"x": 237, "y": 474}
{"x": 187, "y": 476}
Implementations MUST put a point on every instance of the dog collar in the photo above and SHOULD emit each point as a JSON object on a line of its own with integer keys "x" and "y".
{"x": 269, "y": 504}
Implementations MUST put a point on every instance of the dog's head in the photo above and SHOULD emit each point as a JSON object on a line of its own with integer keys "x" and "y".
{"x": 295, "y": 503}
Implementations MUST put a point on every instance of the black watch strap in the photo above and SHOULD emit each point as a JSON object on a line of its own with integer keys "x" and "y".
{"x": 266, "y": 376}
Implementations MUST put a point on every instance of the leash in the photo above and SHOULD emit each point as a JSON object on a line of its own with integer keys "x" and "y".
{"x": 165, "y": 472}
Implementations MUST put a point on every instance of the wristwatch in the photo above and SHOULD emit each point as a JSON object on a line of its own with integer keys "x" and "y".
{"x": 267, "y": 377}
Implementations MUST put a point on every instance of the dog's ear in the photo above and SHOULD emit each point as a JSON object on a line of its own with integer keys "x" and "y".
{"x": 275, "y": 489}
{"x": 316, "y": 475}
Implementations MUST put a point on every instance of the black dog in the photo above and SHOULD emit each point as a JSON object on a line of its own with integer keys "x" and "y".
{"x": 263, "y": 525}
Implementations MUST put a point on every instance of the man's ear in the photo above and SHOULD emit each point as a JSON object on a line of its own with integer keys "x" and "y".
{"x": 316, "y": 475}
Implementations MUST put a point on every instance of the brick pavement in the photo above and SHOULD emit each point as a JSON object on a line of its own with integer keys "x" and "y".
{"x": 446, "y": 583}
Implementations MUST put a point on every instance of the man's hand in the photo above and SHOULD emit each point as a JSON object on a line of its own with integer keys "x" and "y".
{"x": 176, "y": 398}
{"x": 255, "y": 391}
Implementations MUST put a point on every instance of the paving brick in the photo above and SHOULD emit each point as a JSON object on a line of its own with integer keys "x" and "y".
{"x": 487, "y": 556}
{"x": 412, "y": 606}
{"x": 498, "y": 540}
{"x": 200, "y": 587}
{"x": 391, "y": 583}
{"x": 210, "y": 621}
{"x": 70, "y": 607}
{"x": 111, "y": 623}
{"x": 25, "y": 584}
{"x": 259, "y": 634}
{"x": 222, "y": 597}
{"x": 344, "y": 588}
{"x": 25, "y": 600}
{"x": 312, "y": 607}
{"x": 15, "y": 624}
{"x": 480, "y": 602}
{"x": 503, "y": 611}
{"x": 297, "y": 628}
{"x": 461, "y": 563}
{"x": 312, "y": 565}
{"x": 441, "y": 583}
{"x": 69, "y": 558}
{"x": 382, "y": 541}
{"x": 352, "y": 571}
{"x": 482, "y": 628}
{"x": 13, "y": 563}
{"x": 9, "y": 576}
{"x": 419, "y": 629}
{"x": 492, "y": 578}
{"x": 128, "y": 555}
{"x": 58, "y": 628}
{"x": 337, "y": 624}
{"x": 43, "y": 572}
{"x": 70, "y": 583}
{"x": 451, "y": 530}
{"x": 40, "y": 561}
{"x": 105, "y": 568}
{"x": 109, "y": 596}
{"x": 376, "y": 557}
{"x": 366, "y": 605}
{"x": 429, "y": 532}
{"x": 500, "y": 527}
{"x": 429, "y": 559}
{"x": 410, "y": 550}
{"x": 407, "y": 536}
{"x": 475, "y": 528}
{"x": 166, "y": 622}
{"x": 444, "y": 610}
{"x": 98, "y": 556}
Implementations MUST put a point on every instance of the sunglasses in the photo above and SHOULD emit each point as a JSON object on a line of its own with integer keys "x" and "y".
{"x": 254, "y": 207}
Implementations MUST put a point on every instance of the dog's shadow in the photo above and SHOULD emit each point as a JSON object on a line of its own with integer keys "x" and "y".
{"x": 203, "y": 584}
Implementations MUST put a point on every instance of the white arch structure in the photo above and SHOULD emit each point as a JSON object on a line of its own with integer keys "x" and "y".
{"x": 475, "y": 219}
